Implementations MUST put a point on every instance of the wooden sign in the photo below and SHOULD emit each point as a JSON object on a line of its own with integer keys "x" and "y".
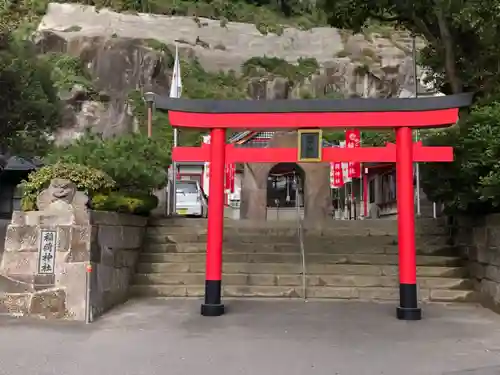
{"x": 47, "y": 252}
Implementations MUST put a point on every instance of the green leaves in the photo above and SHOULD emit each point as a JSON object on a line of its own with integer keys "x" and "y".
{"x": 30, "y": 105}
{"x": 130, "y": 204}
{"x": 86, "y": 179}
{"x": 462, "y": 36}
{"x": 472, "y": 182}
{"x": 201, "y": 84}
{"x": 135, "y": 162}
{"x": 68, "y": 71}
{"x": 257, "y": 66}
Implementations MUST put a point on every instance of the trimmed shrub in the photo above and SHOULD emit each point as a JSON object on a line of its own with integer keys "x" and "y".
{"x": 124, "y": 203}
{"x": 89, "y": 180}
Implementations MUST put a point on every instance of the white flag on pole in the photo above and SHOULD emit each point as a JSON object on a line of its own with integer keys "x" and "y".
{"x": 176, "y": 85}
{"x": 175, "y": 92}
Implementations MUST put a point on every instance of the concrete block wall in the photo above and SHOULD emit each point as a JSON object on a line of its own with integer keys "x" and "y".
{"x": 116, "y": 243}
{"x": 479, "y": 242}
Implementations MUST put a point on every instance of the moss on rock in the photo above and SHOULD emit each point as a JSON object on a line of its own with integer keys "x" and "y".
{"x": 258, "y": 66}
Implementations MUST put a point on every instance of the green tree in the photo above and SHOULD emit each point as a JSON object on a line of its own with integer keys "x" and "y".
{"x": 30, "y": 105}
{"x": 461, "y": 36}
{"x": 135, "y": 162}
{"x": 471, "y": 183}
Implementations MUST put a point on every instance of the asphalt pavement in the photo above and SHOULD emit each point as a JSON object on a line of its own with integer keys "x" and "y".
{"x": 169, "y": 337}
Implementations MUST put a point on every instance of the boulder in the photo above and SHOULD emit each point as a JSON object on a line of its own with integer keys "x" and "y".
{"x": 117, "y": 49}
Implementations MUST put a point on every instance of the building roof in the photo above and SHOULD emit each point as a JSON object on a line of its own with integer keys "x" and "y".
{"x": 17, "y": 163}
{"x": 355, "y": 105}
{"x": 239, "y": 136}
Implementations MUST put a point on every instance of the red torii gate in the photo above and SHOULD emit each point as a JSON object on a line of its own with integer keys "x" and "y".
{"x": 403, "y": 115}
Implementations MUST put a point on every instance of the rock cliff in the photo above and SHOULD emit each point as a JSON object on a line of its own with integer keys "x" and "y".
{"x": 130, "y": 52}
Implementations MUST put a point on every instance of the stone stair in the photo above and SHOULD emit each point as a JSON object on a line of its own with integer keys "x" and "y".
{"x": 347, "y": 260}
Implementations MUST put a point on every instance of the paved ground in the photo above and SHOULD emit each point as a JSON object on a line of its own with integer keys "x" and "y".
{"x": 169, "y": 337}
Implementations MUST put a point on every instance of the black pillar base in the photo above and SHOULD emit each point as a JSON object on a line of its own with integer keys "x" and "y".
{"x": 213, "y": 305}
{"x": 408, "y": 303}
{"x": 212, "y": 310}
{"x": 409, "y": 313}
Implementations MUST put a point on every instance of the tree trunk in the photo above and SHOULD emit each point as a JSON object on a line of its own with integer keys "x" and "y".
{"x": 449, "y": 53}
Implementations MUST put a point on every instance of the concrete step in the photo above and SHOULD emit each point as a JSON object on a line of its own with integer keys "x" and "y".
{"x": 296, "y": 269}
{"x": 270, "y": 231}
{"x": 334, "y": 231}
{"x": 374, "y": 224}
{"x": 361, "y": 293}
{"x": 296, "y": 280}
{"x": 354, "y": 240}
{"x": 295, "y": 258}
{"x": 335, "y": 248}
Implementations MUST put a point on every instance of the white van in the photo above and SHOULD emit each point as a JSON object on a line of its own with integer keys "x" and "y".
{"x": 190, "y": 199}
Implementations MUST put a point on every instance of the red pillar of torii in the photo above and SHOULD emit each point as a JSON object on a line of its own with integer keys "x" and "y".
{"x": 402, "y": 115}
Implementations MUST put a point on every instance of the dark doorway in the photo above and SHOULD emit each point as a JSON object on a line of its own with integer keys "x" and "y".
{"x": 284, "y": 181}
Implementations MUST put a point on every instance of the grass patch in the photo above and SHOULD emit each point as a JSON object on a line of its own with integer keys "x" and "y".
{"x": 305, "y": 67}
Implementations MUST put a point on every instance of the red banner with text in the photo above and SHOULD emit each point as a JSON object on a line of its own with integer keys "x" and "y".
{"x": 336, "y": 175}
{"x": 353, "y": 140}
{"x": 230, "y": 175}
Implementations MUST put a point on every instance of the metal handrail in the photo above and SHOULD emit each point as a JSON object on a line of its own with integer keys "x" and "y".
{"x": 300, "y": 233}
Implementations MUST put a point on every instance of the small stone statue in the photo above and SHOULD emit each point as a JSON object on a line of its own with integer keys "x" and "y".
{"x": 61, "y": 194}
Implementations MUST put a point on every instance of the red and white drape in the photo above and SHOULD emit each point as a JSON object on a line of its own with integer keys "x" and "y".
{"x": 353, "y": 140}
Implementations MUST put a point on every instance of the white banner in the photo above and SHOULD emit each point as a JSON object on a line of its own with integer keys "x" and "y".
{"x": 345, "y": 167}
{"x": 176, "y": 85}
{"x": 206, "y": 168}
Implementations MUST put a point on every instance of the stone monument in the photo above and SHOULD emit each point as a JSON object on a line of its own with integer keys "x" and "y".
{"x": 48, "y": 256}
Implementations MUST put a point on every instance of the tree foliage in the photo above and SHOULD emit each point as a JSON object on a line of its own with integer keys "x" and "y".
{"x": 68, "y": 72}
{"x": 30, "y": 105}
{"x": 136, "y": 163}
{"x": 471, "y": 183}
{"x": 267, "y": 15}
{"x": 263, "y": 65}
{"x": 138, "y": 204}
{"x": 461, "y": 36}
{"x": 462, "y": 54}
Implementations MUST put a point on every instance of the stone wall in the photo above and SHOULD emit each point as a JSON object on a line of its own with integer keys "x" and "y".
{"x": 116, "y": 243}
{"x": 479, "y": 241}
{"x": 109, "y": 242}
